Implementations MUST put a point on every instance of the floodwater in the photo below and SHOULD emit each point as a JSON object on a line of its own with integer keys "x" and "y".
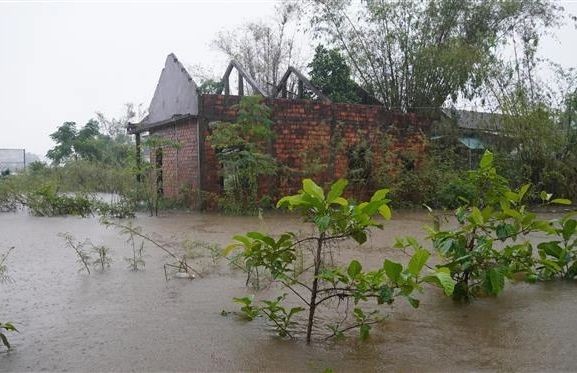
{"x": 120, "y": 320}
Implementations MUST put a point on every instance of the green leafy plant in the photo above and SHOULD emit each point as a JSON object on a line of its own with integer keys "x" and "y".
{"x": 489, "y": 245}
{"x": 241, "y": 151}
{"x": 319, "y": 282}
{"x": 558, "y": 258}
{"x": 46, "y": 201}
{"x": 6, "y": 327}
{"x": 249, "y": 311}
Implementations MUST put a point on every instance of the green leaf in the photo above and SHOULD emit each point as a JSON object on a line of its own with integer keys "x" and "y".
{"x": 442, "y": 278}
{"x": 359, "y": 236}
{"x": 294, "y": 311}
{"x": 551, "y": 248}
{"x": 476, "y": 216}
{"x": 496, "y": 279}
{"x": 561, "y": 201}
{"x": 312, "y": 189}
{"x": 379, "y": 195}
{"x": 243, "y": 239}
{"x": 385, "y": 211}
{"x": 523, "y": 190}
{"x": 340, "y": 201}
{"x": 393, "y": 270}
{"x": 229, "y": 249}
{"x": 354, "y": 269}
{"x": 322, "y": 222}
{"x": 336, "y": 190}
{"x": 486, "y": 160}
{"x": 290, "y": 201}
{"x": 569, "y": 229}
{"x": 418, "y": 261}
{"x": 504, "y": 231}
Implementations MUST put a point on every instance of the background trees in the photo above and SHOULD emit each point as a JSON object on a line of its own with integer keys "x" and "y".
{"x": 100, "y": 140}
{"x": 264, "y": 49}
{"x": 415, "y": 55}
{"x": 330, "y": 72}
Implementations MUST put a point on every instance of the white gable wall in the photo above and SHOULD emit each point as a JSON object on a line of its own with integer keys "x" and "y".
{"x": 175, "y": 94}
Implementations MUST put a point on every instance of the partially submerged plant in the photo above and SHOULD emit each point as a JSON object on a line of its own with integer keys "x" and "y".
{"x": 320, "y": 282}
{"x": 136, "y": 261}
{"x": 5, "y": 327}
{"x": 132, "y": 231}
{"x": 558, "y": 258}
{"x": 84, "y": 257}
{"x": 489, "y": 244}
{"x": 103, "y": 259}
{"x": 198, "y": 249}
{"x": 3, "y": 269}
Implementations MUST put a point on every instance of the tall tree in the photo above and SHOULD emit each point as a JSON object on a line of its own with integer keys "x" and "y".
{"x": 415, "y": 55}
{"x": 331, "y": 74}
{"x": 64, "y": 138}
{"x": 264, "y": 49}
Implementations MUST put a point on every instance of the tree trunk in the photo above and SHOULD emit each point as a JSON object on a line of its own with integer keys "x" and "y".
{"x": 314, "y": 289}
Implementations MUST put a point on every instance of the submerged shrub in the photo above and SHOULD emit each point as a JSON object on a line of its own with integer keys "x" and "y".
{"x": 317, "y": 282}
{"x": 489, "y": 245}
{"x": 46, "y": 201}
{"x": 558, "y": 258}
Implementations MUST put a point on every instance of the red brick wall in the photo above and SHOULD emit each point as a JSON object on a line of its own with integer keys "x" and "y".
{"x": 179, "y": 164}
{"x": 304, "y": 127}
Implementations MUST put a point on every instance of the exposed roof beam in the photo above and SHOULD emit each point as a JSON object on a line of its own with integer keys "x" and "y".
{"x": 307, "y": 83}
{"x": 243, "y": 74}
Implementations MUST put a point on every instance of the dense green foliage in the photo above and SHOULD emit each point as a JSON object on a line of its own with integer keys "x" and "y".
{"x": 241, "y": 149}
{"x": 316, "y": 281}
{"x": 558, "y": 258}
{"x": 414, "y": 55}
{"x": 330, "y": 73}
{"x": 490, "y": 245}
{"x": 88, "y": 144}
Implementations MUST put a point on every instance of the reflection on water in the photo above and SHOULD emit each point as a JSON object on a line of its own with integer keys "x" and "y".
{"x": 135, "y": 321}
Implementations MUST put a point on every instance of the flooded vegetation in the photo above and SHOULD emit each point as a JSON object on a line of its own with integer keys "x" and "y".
{"x": 122, "y": 320}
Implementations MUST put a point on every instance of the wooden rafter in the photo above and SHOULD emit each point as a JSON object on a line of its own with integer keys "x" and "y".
{"x": 242, "y": 77}
{"x": 303, "y": 83}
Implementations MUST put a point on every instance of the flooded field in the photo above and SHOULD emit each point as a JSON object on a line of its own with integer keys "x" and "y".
{"x": 136, "y": 321}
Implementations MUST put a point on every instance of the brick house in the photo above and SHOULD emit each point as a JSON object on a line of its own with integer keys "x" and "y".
{"x": 302, "y": 127}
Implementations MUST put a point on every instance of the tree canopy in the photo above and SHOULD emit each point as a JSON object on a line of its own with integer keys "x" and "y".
{"x": 331, "y": 74}
{"x": 414, "y": 55}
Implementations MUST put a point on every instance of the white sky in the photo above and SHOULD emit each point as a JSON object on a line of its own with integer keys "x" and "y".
{"x": 62, "y": 61}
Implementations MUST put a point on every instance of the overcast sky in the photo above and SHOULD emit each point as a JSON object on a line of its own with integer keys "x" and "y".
{"x": 62, "y": 61}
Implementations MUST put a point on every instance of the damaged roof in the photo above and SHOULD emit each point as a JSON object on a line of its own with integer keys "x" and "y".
{"x": 175, "y": 96}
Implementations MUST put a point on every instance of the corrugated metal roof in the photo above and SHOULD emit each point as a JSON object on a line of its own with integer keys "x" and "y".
{"x": 472, "y": 143}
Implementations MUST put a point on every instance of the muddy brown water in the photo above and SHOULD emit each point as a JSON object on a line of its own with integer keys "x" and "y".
{"x": 136, "y": 321}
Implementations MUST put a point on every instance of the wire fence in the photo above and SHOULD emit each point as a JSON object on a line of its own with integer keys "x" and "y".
{"x": 12, "y": 160}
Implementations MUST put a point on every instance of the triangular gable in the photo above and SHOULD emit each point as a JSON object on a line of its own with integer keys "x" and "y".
{"x": 175, "y": 95}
